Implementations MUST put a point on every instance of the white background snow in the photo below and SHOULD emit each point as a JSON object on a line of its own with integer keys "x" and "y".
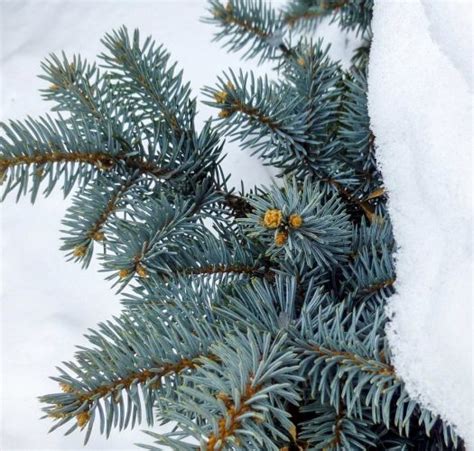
{"x": 420, "y": 103}
{"x": 47, "y": 304}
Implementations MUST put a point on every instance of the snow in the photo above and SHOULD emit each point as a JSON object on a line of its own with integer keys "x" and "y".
{"x": 420, "y": 103}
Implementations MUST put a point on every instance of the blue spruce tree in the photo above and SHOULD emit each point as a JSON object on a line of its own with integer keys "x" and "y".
{"x": 253, "y": 320}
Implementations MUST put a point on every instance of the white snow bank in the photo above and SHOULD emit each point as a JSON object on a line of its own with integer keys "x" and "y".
{"x": 420, "y": 84}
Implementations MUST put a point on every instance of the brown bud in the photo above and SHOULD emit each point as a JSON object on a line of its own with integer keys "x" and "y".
{"x": 220, "y": 96}
{"x": 272, "y": 218}
{"x": 80, "y": 251}
{"x": 82, "y": 418}
{"x": 281, "y": 238}
{"x": 98, "y": 235}
{"x": 296, "y": 221}
{"x": 224, "y": 113}
{"x": 141, "y": 271}
{"x": 124, "y": 273}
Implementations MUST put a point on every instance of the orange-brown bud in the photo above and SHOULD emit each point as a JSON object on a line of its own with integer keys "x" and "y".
{"x": 98, "y": 235}
{"x": 281, "y": 238}
{"x": 141, "y": 271}
{"x": 66, "y": 388}
{"x": 124, "y": 273}
{"x": 220, "y": 96}
{"x": 296, "y": 221}
{"x": 272, "y": 218}
{"x": 82, "y": 418}
{"x": 224, "y": 113}
{"x": 80, "y": 251}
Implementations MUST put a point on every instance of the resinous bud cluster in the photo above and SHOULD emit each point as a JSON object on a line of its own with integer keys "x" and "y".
{"x": 274, "y": 219}
{"x": 222, "y": 97}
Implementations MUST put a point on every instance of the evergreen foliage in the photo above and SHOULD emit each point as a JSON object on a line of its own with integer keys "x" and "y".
{"x": 252, "y": 320}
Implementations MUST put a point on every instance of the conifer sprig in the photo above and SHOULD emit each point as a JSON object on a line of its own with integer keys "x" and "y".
{"x": 77, "y": 86}
{"x": 238, "y": 402}
{"x": 330, "y": 429}
{"x": 92, "y": 210}
{"x": 134, "y": 359}
{"x": 299, "y": 223}
{"x": 350, "y": 14}
{"x": 250, "y": 24}
{"x": 144, "y": 74}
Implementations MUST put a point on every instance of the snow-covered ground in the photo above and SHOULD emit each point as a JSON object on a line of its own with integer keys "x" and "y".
{"x": 47, "y": 304}
{"x": 420, "y": 103}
